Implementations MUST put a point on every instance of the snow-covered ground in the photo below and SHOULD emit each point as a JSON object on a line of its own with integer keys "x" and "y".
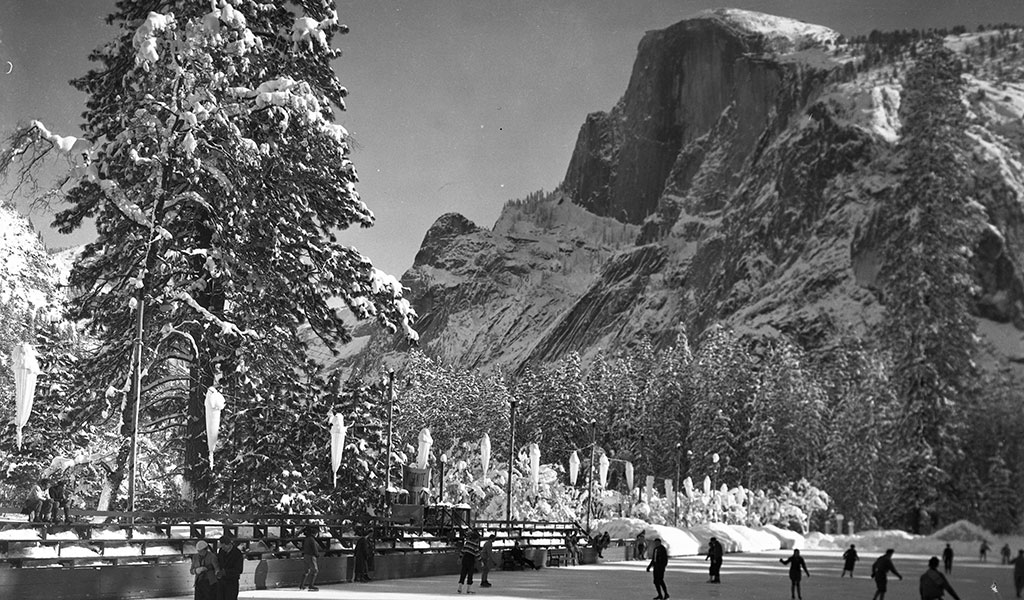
{"x": 965, "y": 538}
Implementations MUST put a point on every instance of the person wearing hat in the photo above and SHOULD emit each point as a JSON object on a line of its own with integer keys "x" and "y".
{"x": 206, "y": 570}
{"x": 933, "y": 583}
{"x": 231, "y": 562}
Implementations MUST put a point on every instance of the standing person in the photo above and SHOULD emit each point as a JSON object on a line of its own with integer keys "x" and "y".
{"x": 715, "y": 555}
{"x": 1005, "y": 553}
{"x": 1018, "y": 572}
{"x": 983, "y": 551}
{"x": 947, "y": 559}
{"x": 58, "y": 494}
{"x": 882, "y": 566}
{"x": 659, "y": 561}
{"x": 231, "y": 563}
{"x": 571, "y": 549}
{"x": 362, "y": 558}
{"x": 487, "y": 557}
{"x": 207, "y": 571}
{"x": 933, "y": 583}
{"x": 469, "y": 554}
{"x": 795, "y": 562}
{"x": 640, "y": 546}
{"x": 850, "y": 558}
{"x": 311, "y": 557}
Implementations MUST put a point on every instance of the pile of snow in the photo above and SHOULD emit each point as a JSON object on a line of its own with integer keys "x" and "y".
{"x": 963, "y": 531}
{"x": 788, "y": 539}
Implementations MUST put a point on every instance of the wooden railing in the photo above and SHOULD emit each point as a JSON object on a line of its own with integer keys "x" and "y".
{"x": 109, "y": 537}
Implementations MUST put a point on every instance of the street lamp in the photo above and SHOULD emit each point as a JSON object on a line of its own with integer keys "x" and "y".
{"x": 714, "y": 461}
{"x": 590, "y": 481}
{"x": 511, "y": 459}
{"x": 440, "y": 492}
{"x": 675, "y": 509}
{"x": 387, "y": 459}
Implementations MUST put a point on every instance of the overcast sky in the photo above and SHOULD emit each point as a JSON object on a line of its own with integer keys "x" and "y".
{"x": 455, "y": 105}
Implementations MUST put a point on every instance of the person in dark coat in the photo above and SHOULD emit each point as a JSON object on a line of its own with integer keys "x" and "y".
{"x": 640, "y": 546}
{"x": 58, "y": 494}
{"x": 983, "y": 551}
{"x": 37, "y": 502}
{"x": 659, "y": 562}
{"x": 469, "y": 555}
{"x": 362, "y": 558}
{"x": 883, "y": 565}
{"x": 1018, "y": 572}
{"x": 311, "y": 558}
{"x": 796, "y": 563}
{"x": 520, "y": 557}
{"x": 850, "y": 559}
{"x": 947, "y": 559}
{"x": 231, "y": 562}
{"x": 933, "y": 583}
{"x": 715, "y": 555}
{"x": 1005, "y": 553}
{"x": 487, "y": 559}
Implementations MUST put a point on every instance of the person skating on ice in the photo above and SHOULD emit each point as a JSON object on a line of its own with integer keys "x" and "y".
{"x": 659, "y": 561}
{"x": 796, "y": 563}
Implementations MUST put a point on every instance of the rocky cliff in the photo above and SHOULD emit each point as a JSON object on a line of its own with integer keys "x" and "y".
{"x": 738, "y": 179}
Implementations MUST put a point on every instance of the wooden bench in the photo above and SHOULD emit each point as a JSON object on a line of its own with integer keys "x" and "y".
{"x": 557, "y": 558}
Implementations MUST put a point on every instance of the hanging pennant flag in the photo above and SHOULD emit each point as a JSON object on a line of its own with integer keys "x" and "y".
{"x": 535, "y": 468}
{"x": 215, "y": 403}
{"x": 574, "y": 467}
{"x": 485, "y": 454}
{"x": 602, "y": 470}
{"x": 338, "y": 431}
{"x": 26, "y": 370}
{"x": 423, "y": 451}
{"x": 649, "y": 488}
{"x": 629, "y": 477}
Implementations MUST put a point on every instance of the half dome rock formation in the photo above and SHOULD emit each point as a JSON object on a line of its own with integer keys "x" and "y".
{"x": 740, "y": 179}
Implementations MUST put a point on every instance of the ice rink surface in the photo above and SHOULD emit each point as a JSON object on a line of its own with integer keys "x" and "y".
{"x": 754, "y": 576}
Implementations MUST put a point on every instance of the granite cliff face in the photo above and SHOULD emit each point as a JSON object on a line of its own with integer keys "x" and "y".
{"x": 739, "y": 179}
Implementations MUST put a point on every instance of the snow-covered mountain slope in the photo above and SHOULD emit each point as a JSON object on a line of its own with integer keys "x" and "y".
{"x": 738, "y": 180}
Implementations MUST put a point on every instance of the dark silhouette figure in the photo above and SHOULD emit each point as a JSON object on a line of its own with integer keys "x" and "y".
{"x": 947, "y": 559}
{"x": 796, "y": 563}
{"x": 520, "y": 557}
{"x": 311, "y": 560}
{"x": 850, "y": 559}
{"x": 659, "y": 561}
{"x": 715, "y": 554}
{"x": 983, "y": 551}
{"x": 640, "y": 546}
{"x": 933, "y": 583}
{"x": 1018, "y": 572}
{"x": 1005, "y": 553}
{"x": 231, "y": 562}
{"x": 486, "y": 559}
{"x": 58, "y": 494}
{"x": 362, "y": 559}
{"x": 883, "y": 565}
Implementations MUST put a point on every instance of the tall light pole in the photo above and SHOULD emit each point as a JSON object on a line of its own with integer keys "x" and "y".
{"x": 675, "y": 509}
{"x": 511, "y": 460}
{"x": 440, "y": 491}
{"x": 590, "y": 481}
{"x": 387, "y": 458}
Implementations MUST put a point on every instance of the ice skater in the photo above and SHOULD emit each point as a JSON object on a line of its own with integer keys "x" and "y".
{"x": 850, "y": 559}
{"x": 1018, "y": 572}
{"x": 933, "y": 583}
{"x": 882, "y": 566}
{"x": 659, "y": 561}
{"x": 796, "y": 563}
{"x": 947, "y": 559}
{"x": 715, "y": 554}
{"x": 469, "y": 555}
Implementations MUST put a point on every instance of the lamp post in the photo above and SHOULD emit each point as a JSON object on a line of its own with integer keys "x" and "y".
{"x": 511, "y": 459}
{"x": 675, "y": 508}
{"x": 440, "y": 491}
{"x": 387, "y": 459}
{"x": 714, "y": 461}
{"x": 590, "y": 481}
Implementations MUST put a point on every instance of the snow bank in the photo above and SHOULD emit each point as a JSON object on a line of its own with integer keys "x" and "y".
{"x": 788, "y": 539}
{"x": 963, "y": 531}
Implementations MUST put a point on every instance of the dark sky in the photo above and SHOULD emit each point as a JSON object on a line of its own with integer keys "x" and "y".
{"x": 455, "y": 105}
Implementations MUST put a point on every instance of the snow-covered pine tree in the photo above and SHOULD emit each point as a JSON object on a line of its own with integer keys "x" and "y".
{"x": 927, "y": 281}
{"x": 218, "y": 180}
